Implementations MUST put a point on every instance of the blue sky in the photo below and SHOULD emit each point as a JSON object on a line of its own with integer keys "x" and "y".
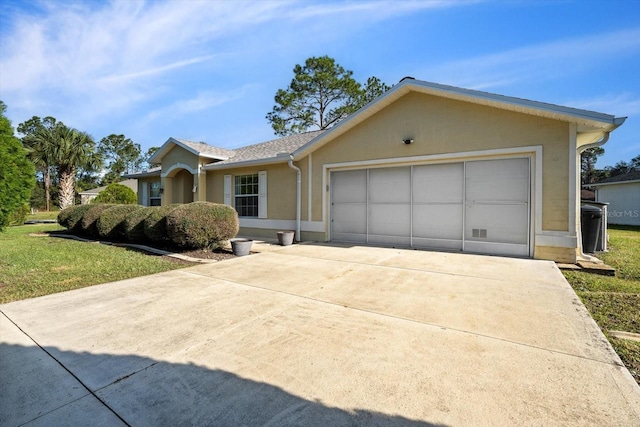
{"x": 208, "y": 70}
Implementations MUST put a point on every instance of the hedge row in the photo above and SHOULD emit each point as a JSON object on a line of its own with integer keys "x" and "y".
{"x": 195, "y": 225}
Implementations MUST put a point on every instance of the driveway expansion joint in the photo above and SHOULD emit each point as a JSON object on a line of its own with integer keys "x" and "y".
{"x": 89, "y": 391}
{"x": 616, "y": 363}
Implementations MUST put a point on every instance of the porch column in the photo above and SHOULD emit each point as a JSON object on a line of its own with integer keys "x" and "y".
{"x": 200, "y": 179}
{"x": 166, "y": 183}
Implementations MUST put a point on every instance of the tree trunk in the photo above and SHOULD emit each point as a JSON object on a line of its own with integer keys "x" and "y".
{"x": 47, "y": 185}
{"x": 67, "y": 187}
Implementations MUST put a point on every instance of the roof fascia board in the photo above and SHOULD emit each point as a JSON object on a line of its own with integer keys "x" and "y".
{"x": 166, "y": 148}
{"x": 246, "y": 163}
{"x": 472, "y": 95}
{"x": 142, "y": 174}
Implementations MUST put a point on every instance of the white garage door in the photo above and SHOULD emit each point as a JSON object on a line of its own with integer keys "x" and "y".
{"x": 479, "y": 206}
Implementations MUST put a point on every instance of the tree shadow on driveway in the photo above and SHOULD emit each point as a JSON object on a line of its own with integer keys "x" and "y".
{"x": 141, "y": 391}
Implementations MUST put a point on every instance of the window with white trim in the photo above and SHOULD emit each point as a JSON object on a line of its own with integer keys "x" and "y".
{"x": 246, "y": 195}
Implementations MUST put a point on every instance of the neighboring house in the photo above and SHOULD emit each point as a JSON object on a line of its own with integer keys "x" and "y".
{"x": 622, "y": 192}
{"x": 89, "y": 195}
{"x": 424, "y": 165}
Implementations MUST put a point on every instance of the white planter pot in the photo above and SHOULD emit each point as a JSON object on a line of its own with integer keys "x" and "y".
{"x": 241, "y": 247}
{"x": 285, "y": 238}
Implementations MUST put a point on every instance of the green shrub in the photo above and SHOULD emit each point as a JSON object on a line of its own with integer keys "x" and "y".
{"x": 117, "y": 193}
{"x": 90, "y": 217}
{"x": 202, "y": 224}
{"x": 19, "y": 216}
{"x": 134, "y": 225}
{"x": 110, "y": 225}
{"x": 71, "y": 217}
{"x": 155, "y": 224}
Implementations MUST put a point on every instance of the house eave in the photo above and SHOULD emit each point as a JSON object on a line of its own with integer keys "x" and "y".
{"x": 248, "y": 163}
{"x": 143, "y": 174}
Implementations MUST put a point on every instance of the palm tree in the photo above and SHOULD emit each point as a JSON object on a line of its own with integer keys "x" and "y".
{"x": 40, "y": 153}
{"x": 66, "y": 149}
{"x": 73, "y": 149}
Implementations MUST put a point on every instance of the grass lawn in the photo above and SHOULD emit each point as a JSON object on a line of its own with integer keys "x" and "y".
{"x": 33, "y": 264}
{"x": 44, "y": 215}
{"x": 614, "y": 302}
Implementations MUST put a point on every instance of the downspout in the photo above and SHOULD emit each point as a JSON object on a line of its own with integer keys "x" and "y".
{"x": 298, "y": 194}
{"x": 582, "y": 149}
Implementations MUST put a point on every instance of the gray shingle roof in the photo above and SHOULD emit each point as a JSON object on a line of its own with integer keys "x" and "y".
{"x": 206, "y": 150}
{"x": 270, "y": 149}
{"x": 634, "y": 175}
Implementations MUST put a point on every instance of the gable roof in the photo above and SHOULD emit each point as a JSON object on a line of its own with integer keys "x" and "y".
{"x": 200, "y": 149}
{"x": 632, "y": 176}
{"x": 586, "y": 121}
{"x": 276, "y": 150}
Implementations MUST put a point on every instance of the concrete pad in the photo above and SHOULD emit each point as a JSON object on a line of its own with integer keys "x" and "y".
{"x": 516, "y": 307}
{"x": 291, "y": 337}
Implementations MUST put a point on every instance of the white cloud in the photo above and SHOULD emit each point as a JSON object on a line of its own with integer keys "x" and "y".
{"x": 87, "y": 61}
{"x": 538, "y": 62}
{"x": 203, "y": 100}
{"x": 622, "y": 104}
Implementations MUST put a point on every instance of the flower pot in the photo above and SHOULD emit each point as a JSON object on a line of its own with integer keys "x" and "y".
{"x": 241, "y": 247}
{"x": 285, "y": 238}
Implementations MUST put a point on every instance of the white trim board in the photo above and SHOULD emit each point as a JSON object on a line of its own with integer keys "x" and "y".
{"x": 282, "y": 224}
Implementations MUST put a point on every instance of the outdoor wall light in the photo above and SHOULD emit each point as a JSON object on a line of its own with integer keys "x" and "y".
{"x": 161, "y": 190}
{"x": 194, "y": 189}
{"x": 407, "y": 141}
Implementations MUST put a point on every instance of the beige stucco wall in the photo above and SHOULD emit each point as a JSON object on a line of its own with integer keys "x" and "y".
{"x": 178, "y": 155}
{"x": 441, "y": 126}
{"x": 558, "y": 254}
{"x": 281, "y": 188}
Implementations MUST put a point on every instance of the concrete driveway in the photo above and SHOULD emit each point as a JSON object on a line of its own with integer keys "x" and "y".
{"x": 316, "y": 335}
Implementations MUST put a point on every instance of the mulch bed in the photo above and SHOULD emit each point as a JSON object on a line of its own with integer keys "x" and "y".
{"x": 219, "y": 254}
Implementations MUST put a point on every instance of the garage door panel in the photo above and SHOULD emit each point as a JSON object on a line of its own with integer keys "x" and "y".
{"x": 445, "y": 244}
{"x": 497, "y": 180}
{"x": 502, "y": 223}
{"x": 390, "y": 220}
{"x": 349, "y": 218}
{"x": 514, "y": 190}
{"x": 390, "y": 185}
{"x": 349, "y": 186}
{"x": 441, "y": 221}
{"x": 349, "y": 237}
{"x": 438, "y": 183}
